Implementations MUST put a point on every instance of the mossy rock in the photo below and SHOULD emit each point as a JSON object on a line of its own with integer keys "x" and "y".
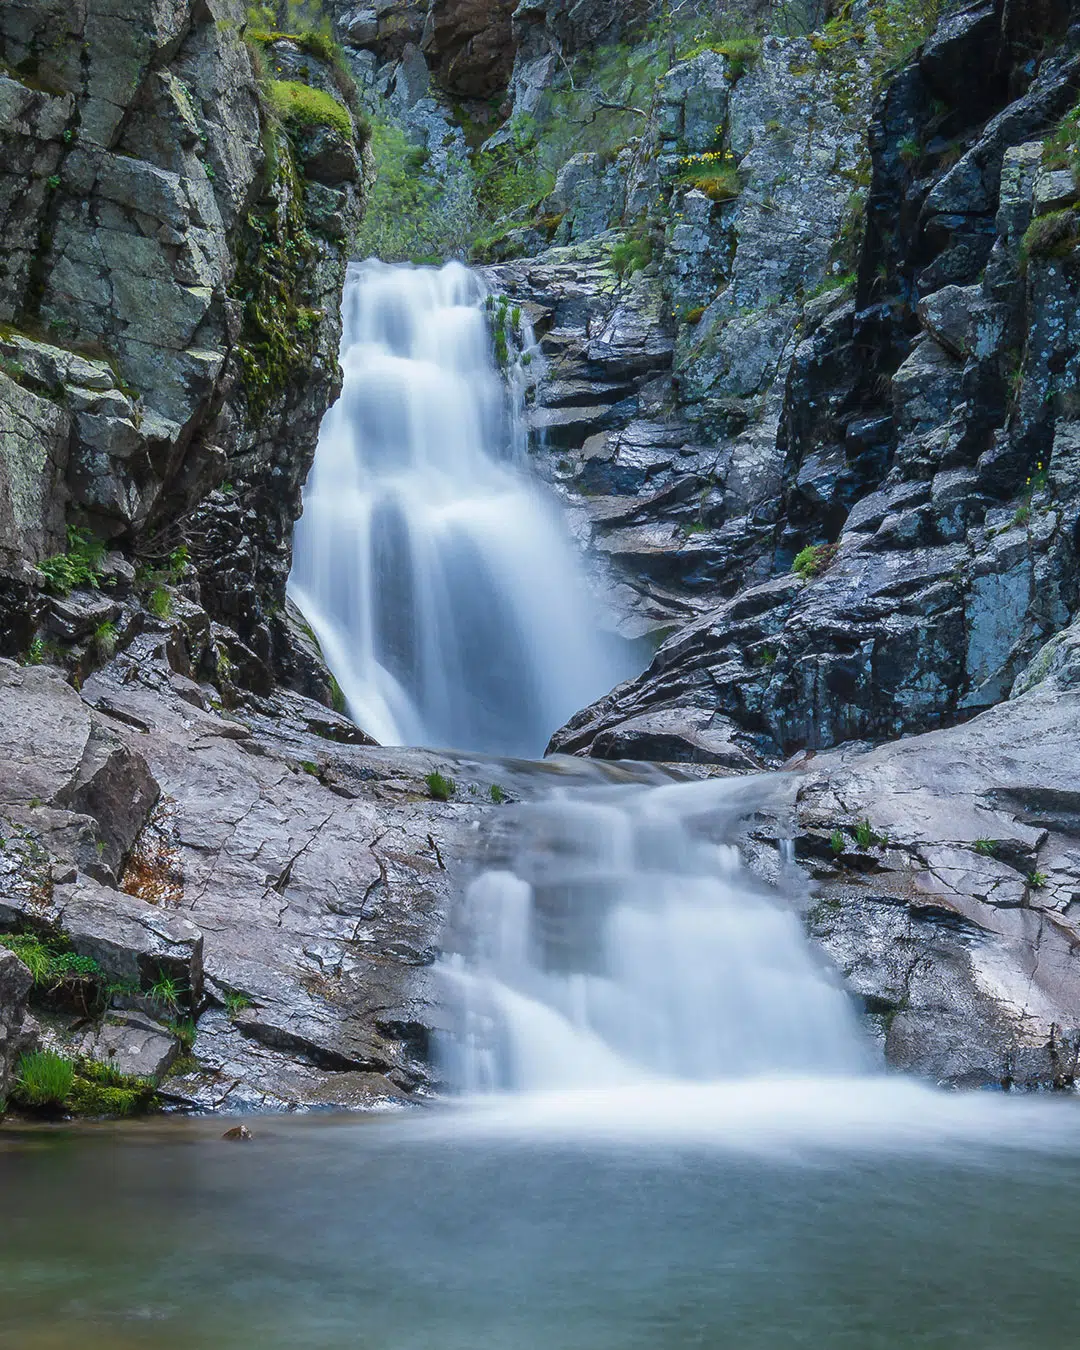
{"x": 300, "y": 106}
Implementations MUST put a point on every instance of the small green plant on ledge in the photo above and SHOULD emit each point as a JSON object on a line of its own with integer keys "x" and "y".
{"x": 1037, "y": 880}
{"x": 439, "y": 787}
{"x": 497, "y": 795}
{"x": 48, "y": 1082}
{"x": 79, "y": 566}
{"x": 813, "y": 560}
{"x": 631, "y": 254}
{"x": 837, "y": 842}
{"x": 714, "y": 173}
{"x": 986, "y": 848}
{"x": 864, "y": 835}
{"x": 235, "y": 1003}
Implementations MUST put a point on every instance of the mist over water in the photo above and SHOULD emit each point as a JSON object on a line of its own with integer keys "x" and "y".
{"x": 447, "y": 597}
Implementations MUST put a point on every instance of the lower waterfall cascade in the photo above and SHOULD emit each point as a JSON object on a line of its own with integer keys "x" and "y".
{"x": 617, "y": 946}
{"x": 447, "y": 598}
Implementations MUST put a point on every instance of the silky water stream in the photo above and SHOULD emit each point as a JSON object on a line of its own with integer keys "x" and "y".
{"x": 667, "y": 1129}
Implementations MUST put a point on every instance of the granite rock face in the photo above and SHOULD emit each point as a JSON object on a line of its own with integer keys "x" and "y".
{"x": 168, "y": 292}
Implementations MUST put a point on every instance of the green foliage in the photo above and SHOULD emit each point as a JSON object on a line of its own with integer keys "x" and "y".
{"x": 302, "y": 106}
{"x": 837, "y": 842}
{"x": 167, "y": 991}
{"x": 987, "y": 848}
{"x": 1054, "y": 235}
{"x": 102, "y": 1090}
{"x": 1061, "y": 149}
{"x": 79, "y": 566}
{"x": 813, "y": 560}
{"x": 185, "y": 1031}
{"x": 439, "y": 787}
{"x": 714, "y": 173}
{"x": 497, "y": 795}
{"x": 105, "y": 640}
{"x": 338, "y": 701}
{"x": 235, "y": 1003}
{"x": 160, "y": 603}
{"x": 35, "y": 653}
{"x": 864, "y": 834}
{"x": 411, "y": 214}
{"x": 52, "y": 963}
{"x": 631, "y": 254}
{"x": 43, "y": 1079}
{"x": 278, "y": 333}
{"x": 909, "y": 150}
{"x": 1037, "y": 880}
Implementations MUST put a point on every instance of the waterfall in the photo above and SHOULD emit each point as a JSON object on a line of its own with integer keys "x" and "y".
{"x": 617, "y": 943}
{"x": 446, "y": 596}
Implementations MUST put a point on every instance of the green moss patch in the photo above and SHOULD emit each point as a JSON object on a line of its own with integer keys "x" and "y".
{"x": 300, "y": 106}
{"x": 1051, "y": 236}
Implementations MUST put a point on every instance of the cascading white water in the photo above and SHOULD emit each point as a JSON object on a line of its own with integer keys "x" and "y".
{"x": 619, "y": 946}
{"x": 447, "y": 599}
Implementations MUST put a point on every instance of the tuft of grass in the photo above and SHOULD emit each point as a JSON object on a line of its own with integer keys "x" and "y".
{"x": 236, "y": 1003}
{"x": 301, "y": 106}
{"x": 104, "y": 640}
{"x": 1037, "y": 880}
{"x": 497, "y": 795}
{"x": 167, "y": 991}
{"x": 987, "y": 848}
{"x": 630, "y": 255}
{"x": 864, "y": 834}
{"x": 52, "y": 965}
{"x": 185, "y": 1031}
{"x": 43, "y": 1079}
{"x": 837, "y": 842}
{"x": 440, "y": 787}
{"x": 813, "y": 560}
{"x": 909, "y": 150}
{"x": 711, "y": 173}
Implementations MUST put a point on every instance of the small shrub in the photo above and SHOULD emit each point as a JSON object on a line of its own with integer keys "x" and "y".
{"x": 35, "y": 653}
{"x": 439, "y": 787}
{"x": 837, "y": 842}
{"x": 79, "y": 566}
{"x": 301, "y": 106}
{"x": 43, "y": 1079}
{"x": 813, "y": 560}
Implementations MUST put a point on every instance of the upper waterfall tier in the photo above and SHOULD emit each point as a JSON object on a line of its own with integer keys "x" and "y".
{"x": 445, "y": 594}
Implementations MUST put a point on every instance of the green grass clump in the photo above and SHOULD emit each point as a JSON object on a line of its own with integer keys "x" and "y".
{"x": 864, "y": 834}
{"x": 813, "y": 560}
{"x": 301, "y": 106}
{"x": 1054, "y": 235}
{"x": 79, "y": 566}
{"x": 439, "y": 787}
{"x": 630, "y": 255}
{"x": 43, "y": 1079}
{"x": 837, "y": 842}
{"x": 51, "y": 964}
{"x": 1037, "y": 880}
{"x": 986, "y": 848}
{"x": 497, "y": 795}
{"x": 236, "y": 1003}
